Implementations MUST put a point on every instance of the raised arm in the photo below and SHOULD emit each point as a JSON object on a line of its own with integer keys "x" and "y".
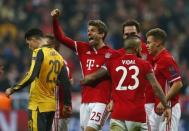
{"x": 88, "y": 79}
{"x": 58, "y": 32}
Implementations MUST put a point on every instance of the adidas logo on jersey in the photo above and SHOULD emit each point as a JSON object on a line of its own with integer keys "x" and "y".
{"x": 88, "y": 52}
{"x": 108, "y": 55}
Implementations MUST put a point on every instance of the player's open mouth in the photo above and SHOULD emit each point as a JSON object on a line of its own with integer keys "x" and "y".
{"x": 90, "y": 38}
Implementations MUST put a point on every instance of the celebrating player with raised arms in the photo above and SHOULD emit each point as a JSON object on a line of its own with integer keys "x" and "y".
{"x": 92, "y": 55}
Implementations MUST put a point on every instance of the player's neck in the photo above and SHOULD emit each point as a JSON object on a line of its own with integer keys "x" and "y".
{"x": 160, "y": 49}
{"x": 131, "y": 52}
{"x": 100, "y": 45}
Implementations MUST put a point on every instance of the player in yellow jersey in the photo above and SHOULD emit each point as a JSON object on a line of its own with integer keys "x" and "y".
{"x": 47, "y": 69}
{"x": 60, "y": 121}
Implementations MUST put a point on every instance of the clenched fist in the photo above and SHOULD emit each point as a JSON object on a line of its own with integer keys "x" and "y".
{"x": 55, "y": 12}
{"x": 9, "y": 91}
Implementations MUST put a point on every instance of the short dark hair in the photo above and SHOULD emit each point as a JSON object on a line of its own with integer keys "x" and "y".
{"x": 34, "y": 32}
{"x": 52, "y": 41}
{"x": 158, "y": 34}
{"x": 132, "y": 42}
{"x": 132, "y": 23}
{"x": 102, "y": 28}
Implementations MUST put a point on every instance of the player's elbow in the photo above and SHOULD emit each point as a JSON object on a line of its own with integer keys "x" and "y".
{"x": 178, "y": 84}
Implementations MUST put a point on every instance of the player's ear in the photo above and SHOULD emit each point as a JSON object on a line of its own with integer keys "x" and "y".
{"x": 158, "y": 43}
{"x": 102, "y": 35}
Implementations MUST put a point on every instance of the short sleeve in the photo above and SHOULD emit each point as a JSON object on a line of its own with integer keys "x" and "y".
{"x": 170, "y": 70}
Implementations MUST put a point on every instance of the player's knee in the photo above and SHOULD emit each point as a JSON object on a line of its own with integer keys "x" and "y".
{"x": 90, "y": 129}
{"x": 116, "y": 128}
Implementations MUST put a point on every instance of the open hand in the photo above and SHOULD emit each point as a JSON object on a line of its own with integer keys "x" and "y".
{"x": 167, "y": 115}
{"x": 160, "y": 109}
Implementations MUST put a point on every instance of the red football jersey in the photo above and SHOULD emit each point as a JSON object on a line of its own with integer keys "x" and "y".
{"x": 167, "y": 72}
{"x": 91, "y": 60}
{"x": 60, "y": 96}
{"x": 128, "y": 91}
{"x": 150, "y": 96}
{"x": 145, "y": 56}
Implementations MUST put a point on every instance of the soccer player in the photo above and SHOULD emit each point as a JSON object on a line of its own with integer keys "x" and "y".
{"x": 92, "y": 55}
{"x": 47, "y": 69}
{"x": 60, "y": 120}
{"x": 128, "y": 73}
{"x": 167, "y": 73}
{"x": 132, "y": 27}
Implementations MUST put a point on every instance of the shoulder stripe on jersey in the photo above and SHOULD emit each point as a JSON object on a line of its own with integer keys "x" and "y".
{"x": 75, "y": 42}
{"x": 175, "y": 79}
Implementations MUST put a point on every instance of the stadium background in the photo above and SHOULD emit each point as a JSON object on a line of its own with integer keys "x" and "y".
{"x": 17, "y": 16}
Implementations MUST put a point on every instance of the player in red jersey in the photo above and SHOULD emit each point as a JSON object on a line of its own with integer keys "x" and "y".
{"x": 60, "y": 120}
{"x": 128, "y": 74}
{"x": 92, "y": 55}
{"x": 167, "y": 73}
{"x": 132, "y": 27}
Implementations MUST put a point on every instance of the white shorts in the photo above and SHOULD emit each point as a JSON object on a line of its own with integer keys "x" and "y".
{"x": 60, "y": 124}
{"x": 119, "y": 125}
{"x": 149, "y": 107}
{"x": 93, "y": 115}
{"x": 157, "y": 123}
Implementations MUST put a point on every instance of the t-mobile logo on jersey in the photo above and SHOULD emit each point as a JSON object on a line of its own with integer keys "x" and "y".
{"x": 90, "y": 63}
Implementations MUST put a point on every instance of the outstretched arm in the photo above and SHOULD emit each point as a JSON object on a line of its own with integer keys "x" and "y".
{"x": 58, "y": 32}
{"x": 88, "y": 79}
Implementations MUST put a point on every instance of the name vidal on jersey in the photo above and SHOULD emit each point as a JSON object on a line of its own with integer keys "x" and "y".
{"x": 128, "y": 62}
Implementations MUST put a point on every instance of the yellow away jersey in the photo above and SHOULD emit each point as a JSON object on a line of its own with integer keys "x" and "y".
{"x": 47, "y": 63}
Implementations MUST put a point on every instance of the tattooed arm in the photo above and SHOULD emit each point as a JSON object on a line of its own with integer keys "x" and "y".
{"x": 88, "y": 79}
{"x": 157, "y": 88}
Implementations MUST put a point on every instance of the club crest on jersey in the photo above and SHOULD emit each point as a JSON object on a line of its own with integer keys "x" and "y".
{"x": 107, "y": 55}
{"x": 88, "y": 52}
{"x": 90, "y": 63}
{"x": 144, "y": 56}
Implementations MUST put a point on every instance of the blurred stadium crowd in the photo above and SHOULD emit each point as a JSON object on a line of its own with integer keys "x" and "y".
{"x": 17, "y": 16}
